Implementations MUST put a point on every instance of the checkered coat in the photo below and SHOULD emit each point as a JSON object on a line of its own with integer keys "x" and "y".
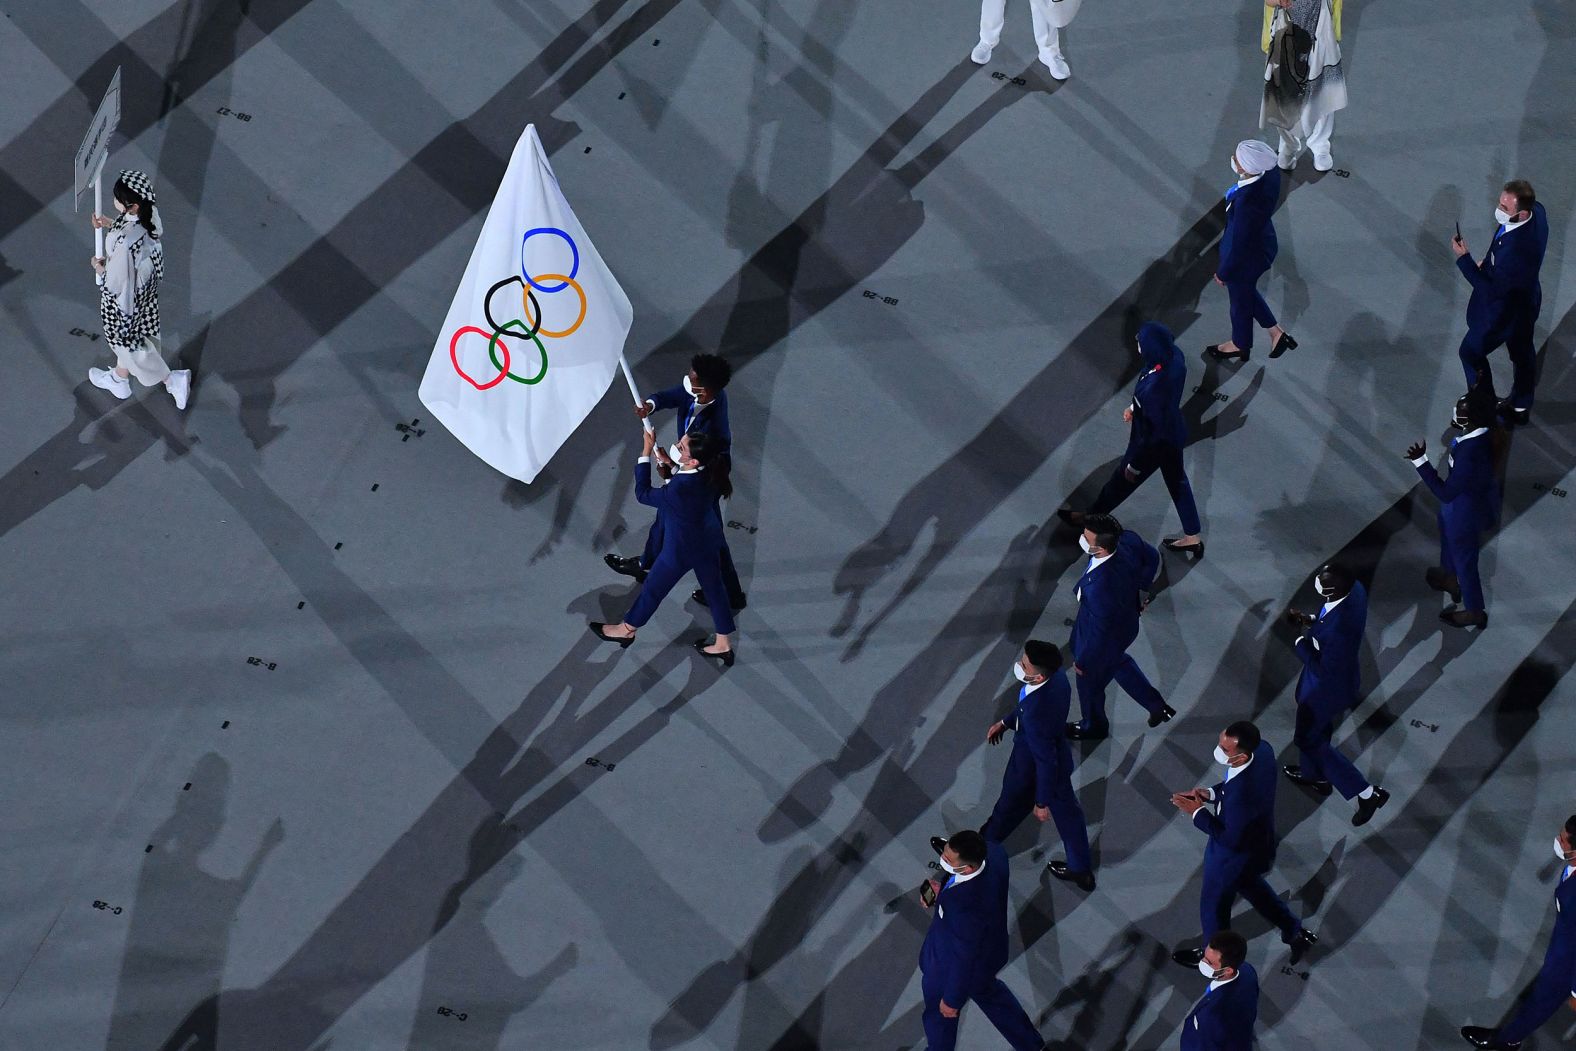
{"x": 129, "y": 286}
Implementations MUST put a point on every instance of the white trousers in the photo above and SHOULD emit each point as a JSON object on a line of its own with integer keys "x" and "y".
{"x": 993, "y": 15}
{"x": 1315, "y": 137}
{"x": 145, "y": 363}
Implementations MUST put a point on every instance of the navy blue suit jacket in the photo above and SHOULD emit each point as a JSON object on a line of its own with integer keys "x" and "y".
{"x": 1469, "y": 495}
{"x": 1108, "y": 602}
{"x": 692, "y": 529}
{"x": 1243, "y": 825}
{"x": 1039, "y": 723}
{"x": 1505, "y": 287}
{"x": 1331, "y": 676}
{"x": 1248, "y": 246}
{"x": 967, "y": 941}
{"x": 712, "y": 420}
{"x": 1561, "y": 955}
{"x": 1157, "y": 397}
{"x": 1223, "y": 1019}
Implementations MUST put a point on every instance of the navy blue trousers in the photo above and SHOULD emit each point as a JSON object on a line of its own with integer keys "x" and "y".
{"x": 1551, "y": 988}
{"x": 730, "y": 574}
{"x": 1017, "y": 801}
{"x": 998, "y": 1004}
{"x": 1320, "y": 759}
{"x": 1227, "y": 875}
{"x": 1458, "y": 556}
{"x": 1167, "y": 459}
{"x": 1129, "y": 676}
{"x": 1247, "y": 307}
{"x": 1476, "y": 347}
{"x": 665, "y": 573}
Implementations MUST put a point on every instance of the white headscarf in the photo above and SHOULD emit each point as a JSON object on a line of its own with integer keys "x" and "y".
{"x": 1255, "y": 157}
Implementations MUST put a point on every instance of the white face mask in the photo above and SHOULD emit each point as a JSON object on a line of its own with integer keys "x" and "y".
{"x": 1559, "y": 851}
{"x": 676, "y": 454}
{"x": 1318, "y": 585}
{"x": 1236, "y": 171}
{"x": 1206, "y": 970}
{"x": 1221, "y": 757}
{"x": 1017, "y": 671}
{"x": 947, "y": 865}
{"x": 1501, "y": 216}
{"x": 1457, "y": 420}
{"x": 1083, "y": 542}
{"x": 689, "y": 388}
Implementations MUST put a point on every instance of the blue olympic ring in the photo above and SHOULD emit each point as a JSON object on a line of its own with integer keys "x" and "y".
{"x": 574, "y": 269}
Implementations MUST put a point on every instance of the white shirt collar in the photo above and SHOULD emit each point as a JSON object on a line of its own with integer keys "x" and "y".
{"x": 1517, "y": 226}
{"x": 1472, "y": 434}
{"x": 1331, "y": 605}
{"x": 1028, "y": 689}
{"x": 955, "y": 880}
{"x": 1096, "y": 563}
{"x": 1233, "y": 771}
{"x": 1217, "y": 983}
{"x": 1249, "y": 179}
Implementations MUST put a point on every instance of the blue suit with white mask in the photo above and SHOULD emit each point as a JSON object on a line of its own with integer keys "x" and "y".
{"x": 1506, "y": 300}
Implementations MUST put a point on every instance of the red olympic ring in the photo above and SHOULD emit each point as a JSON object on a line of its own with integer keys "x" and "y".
{"x": 455, "y": 357}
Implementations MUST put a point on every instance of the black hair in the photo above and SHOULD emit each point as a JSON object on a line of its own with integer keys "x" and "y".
{"x": 1106, "y": 529}
{"x": 709, "y": 451}
{"x": 969, "y": 846}
{"x": 1245, "y": 734}
{"x": 1570, "y": 829}
{"x": 1481, "y": 408}
{"x": 128, "y": 197}
{"x": 1339, "y": 576}
{"x": 1045, "y": 656}
{"x": 1525, "y": 198}
{"x": 712, "y": 370}
{"x": 1233, "y": 948}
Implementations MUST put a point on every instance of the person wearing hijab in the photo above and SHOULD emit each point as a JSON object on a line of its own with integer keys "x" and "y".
{"x": 1247, "y": 249}
{"x": 1158, "y": 433}
{"x": 1303, "y": 81}
{"x": 128, "y": 278}
{"x": 1050, "y": 18}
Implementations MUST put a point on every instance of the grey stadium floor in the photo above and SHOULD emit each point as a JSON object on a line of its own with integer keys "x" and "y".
{"x": 387, "y": 833}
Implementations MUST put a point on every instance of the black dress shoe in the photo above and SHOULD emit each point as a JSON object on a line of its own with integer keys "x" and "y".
{"x": 1301, "y": 942}
{"x": 938, "y": 844}
{"x": 1366, "y": 808}
{"x": 699, "y": 595}
{"x": 1282, "y": 345}
{"x": 1164, "y": 715}
{"x": 600, "y": 631}
{"x": 1477, "y": 1036}
{"x": 1439, "y": 580}
{"x": 1188, "y": 957}
{"x": 1193, "y": 551}
{"x": 1465, "y": 618}
{"x": 1214, "y": 351}
{"x": 1084, "y": 881}
{"x": 1079, "y": 732}
{"x": 629, "y": 567}
{"x": 1295, "y": 775}
{"x": 1512, "y": 415}
{"x": 726, "y": 656}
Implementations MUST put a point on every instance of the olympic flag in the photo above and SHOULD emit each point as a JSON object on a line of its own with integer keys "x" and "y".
{"x": 536, "y": 331}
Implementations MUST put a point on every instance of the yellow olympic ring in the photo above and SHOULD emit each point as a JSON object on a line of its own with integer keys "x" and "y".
{"x": 572, "y": 283}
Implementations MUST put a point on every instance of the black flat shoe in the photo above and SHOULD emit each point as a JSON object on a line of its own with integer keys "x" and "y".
{"x": 1188, "y": 957}
{"x": 1295, "y": 775}
{"x": 1366, "y": 808}
{"x": 1193, "y": 551}
{"x": 600, "y": 631}
{"x": 1301, "y": 942}
{"x": 1512, "y": 415}
{"x": 1488, "y": 1039}
{"x": 726, "y": 656}
{"x": 1283, "y": 344}
{"x": 699, "y": 595}
{"x": 1465, "y": 618}
{"x": 629, "y": 567}
{"x": 1084, "y": 881}
{"x": 1078, "y": 732}
{"x": 1214, "y": 351}
{"x": 1164, "y": 715}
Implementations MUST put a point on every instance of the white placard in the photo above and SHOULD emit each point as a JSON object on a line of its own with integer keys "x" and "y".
{"x": 95, "y": 145}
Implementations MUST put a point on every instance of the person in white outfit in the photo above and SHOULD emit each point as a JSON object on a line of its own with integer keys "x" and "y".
{"x": 1050, "y": 18}
{"x": 128, "y": 279}
{"x": 1304, "y": 83}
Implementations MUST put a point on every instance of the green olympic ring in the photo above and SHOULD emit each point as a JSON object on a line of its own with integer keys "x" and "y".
{"x": 492, "y": 350}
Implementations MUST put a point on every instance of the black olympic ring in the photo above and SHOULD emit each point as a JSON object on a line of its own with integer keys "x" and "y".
{"x": 535, "y": 306}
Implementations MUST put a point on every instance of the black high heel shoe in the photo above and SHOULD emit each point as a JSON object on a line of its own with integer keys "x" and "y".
{"x": 599, "y": 630}
{"x": 1282, "y": 345}
{"x": 725, "y": 656}
{"x": 1214, "y": 351}
{"x": 1193, "y": 551}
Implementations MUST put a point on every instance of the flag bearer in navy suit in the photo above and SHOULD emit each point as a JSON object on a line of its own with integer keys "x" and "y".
{"x": 1330, "y": 684}
{"x": 1238, "y": 816}
{"x": 702, "y": 404}
{"x": 1223, "y": 1019}
{"x": 1556, "y": 982}
{"x": 966, "y": 946}
{"x": 1039, "y": 775}
{"x": 1468, "y": 504}
{"x": 1112, "y": 593}
{"x": 1247, "y": 248}
{"x": 1506, "y": 296}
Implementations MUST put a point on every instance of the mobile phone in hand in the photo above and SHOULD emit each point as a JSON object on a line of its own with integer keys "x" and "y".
{"x": 1458, "y": 231}
{"x": 927, "y": 893}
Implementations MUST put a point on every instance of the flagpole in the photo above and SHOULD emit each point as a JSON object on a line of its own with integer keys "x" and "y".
{"x": 629, "y": 377}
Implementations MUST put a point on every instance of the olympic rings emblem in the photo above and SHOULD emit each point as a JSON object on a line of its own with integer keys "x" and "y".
{"x": 529, "y": 325}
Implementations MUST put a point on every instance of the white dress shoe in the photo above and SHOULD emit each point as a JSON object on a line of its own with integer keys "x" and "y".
{"x": 106, "y": 379}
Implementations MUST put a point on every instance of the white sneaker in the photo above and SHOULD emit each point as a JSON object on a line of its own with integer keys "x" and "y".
{"x": 981, "y": 53}
{"x": 1056, "y": 64}
{"x": 180, "y": 387}
{"x": 1287, "y": 158}
{"x": 106, "y": 379}
{"x": 1323, "y": 162}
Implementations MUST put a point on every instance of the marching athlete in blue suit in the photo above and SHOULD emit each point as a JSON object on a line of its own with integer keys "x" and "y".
{"x": 1111, "y": 595}
{"x": 1223, "y": 1019}
{"x": 1506, "y": 296}
{"x": 1330, "y": 683}
{"x": 1039, "y": 774}
{"x": 966, "y": 946}
{"x": 691, "y": 539}
{"x": 1556, "y": 981}
{"x": 1468, "y": 504}
{"x": 702, "y": 404}
{"x": 1155, "y": 441}
{"x": 1238, "y": 816}
{"x": 1247, "y": 249}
